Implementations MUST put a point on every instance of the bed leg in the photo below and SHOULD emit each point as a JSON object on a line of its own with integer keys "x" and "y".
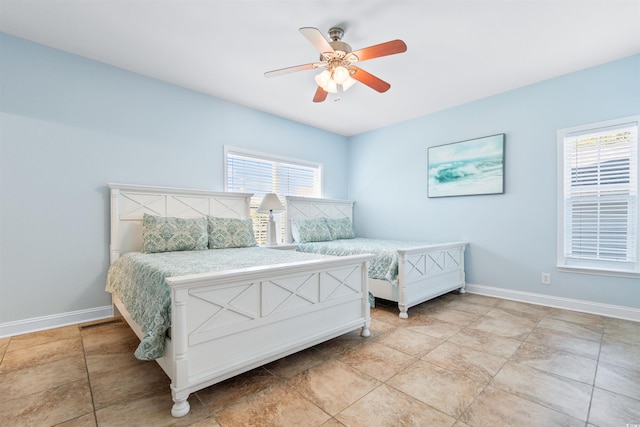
{"x": 403, "y": 312}
{"x": 180, "y": 408}
{"x": 365, "y": 332}
{"x": 462, "y": 290}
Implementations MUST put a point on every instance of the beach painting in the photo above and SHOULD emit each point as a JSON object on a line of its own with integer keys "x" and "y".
{"x": 467, "y": 168}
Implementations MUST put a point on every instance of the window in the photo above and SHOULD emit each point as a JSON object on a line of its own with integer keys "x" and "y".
{"x": 598, "y": 197}
{"x": 258, "y": 173}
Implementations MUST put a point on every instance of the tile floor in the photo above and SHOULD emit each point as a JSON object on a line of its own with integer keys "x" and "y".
{"x": 459, "y": 360}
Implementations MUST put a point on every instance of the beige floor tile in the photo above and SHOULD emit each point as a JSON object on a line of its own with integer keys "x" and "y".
{"x": 380, "y": 328}
{"x": 610, "y": 409}
{"x": 505, "y": 324}
{"x": 620, "y": 330}
{"x": 340, "y": 345}
{"x": 276, "y": 406}
{"x": 105, "y": 337}
{"x": 292, "y": 365}
{"x": 477, "y": 365}
{"x": 125, "y": 384}
{"x": 561, "y": 363}
{"x": 41, "y": 353}
{"x": 436, "y": 328}
{"x": 332, "y": 422}
{"x": 577, "y": 317}
{"x": 479, "y": 299}
{"x": 463, "y": 304}
{"x": 49, "y": 407}
{"x": 219, "y": 396}
{"x": 377, "y": 360}
{"x": 333, "y": 386}
{"x": 87, "y": 420}
{"x": 409, "y": 342}
{"x": 486, "y": 342}
{"x": 620, "y": 353}
{"x": 36, "y": 378}
{"x": 457, "y": 317}
{"x": 4, "y": 343}
{"x": 444, "y": 390}
{"x": 386, "y": 406}
{"x": 44, "y": 337}
{"x": 619, "y": 379}
{"x": 528, "y": 311}
{"x": 562, "y": 394}
{"x": 388, "y": 313}
{"x": 564, "y": 341}
{"x": 588, "y": 332}
{"x": 494, "y": 407}
{"x": 152, "y": 409}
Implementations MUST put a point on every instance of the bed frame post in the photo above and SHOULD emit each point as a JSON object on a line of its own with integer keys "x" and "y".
{"x": 181, "y": 405}
{"x": 115, "y": 212}
{"x": 463, "y": 278}
{"x": 402, "y": 300}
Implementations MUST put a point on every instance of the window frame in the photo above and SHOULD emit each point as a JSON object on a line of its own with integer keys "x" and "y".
{"x": 583, "y": 265}
{"x": 260, "y": 219}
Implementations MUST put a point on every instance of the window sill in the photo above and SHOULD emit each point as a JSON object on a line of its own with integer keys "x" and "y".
{"x": 598, "y": 271}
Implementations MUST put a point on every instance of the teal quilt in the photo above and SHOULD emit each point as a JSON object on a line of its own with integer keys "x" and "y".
{"x": 139, "y": 281}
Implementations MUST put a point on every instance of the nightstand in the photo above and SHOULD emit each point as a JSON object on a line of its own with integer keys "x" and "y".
{"x": 282, "y": 246}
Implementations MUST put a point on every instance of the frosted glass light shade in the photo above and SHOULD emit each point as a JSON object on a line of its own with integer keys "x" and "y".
{"x": 340, "y": 74}
{"x": 350, "y": 82}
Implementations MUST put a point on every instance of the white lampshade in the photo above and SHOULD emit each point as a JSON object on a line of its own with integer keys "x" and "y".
{"x": 270, "y": 203}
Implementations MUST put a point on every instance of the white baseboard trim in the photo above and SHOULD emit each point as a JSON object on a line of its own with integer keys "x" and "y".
{"x": 35, "y": 324}
{"x": 619, "y": 312}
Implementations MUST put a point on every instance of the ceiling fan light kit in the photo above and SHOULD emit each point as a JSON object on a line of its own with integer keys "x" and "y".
{"x": 337, "y": 57}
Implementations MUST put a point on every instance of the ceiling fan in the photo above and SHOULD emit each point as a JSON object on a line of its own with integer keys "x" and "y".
{"x": 337, "y": 58}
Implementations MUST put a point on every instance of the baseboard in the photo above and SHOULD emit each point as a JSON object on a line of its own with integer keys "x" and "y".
{"x": 620, "y": 312}
{"x": 54, "y": 321}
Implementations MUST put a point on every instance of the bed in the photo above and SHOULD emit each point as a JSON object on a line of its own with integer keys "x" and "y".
{"x": 229, "y": 321}
{"x": 419, "y": 272}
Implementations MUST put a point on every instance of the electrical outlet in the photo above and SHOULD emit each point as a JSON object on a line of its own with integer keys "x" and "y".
{"x": 545, "y": 279}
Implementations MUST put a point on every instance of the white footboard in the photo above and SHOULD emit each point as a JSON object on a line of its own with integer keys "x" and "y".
{"x": 227, "y": 323}
{"x": 427, "y": 272}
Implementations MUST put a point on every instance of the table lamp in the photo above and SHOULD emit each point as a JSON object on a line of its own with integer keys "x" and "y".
{"x": 271, "y": 203}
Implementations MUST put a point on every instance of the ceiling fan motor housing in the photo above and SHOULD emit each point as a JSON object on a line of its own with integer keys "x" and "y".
{"x": 335, "y": 34}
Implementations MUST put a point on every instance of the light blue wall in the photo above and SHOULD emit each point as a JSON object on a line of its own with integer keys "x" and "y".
{"x": 512, "y": 236}
{"x": 68, "y": 126}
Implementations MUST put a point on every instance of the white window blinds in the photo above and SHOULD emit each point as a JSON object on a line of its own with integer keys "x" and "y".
{"x": 259, "y": 173}
{"x": 600, "y": 196}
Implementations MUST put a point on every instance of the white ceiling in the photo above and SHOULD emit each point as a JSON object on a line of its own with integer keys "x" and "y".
{"x": 458, "y": 51}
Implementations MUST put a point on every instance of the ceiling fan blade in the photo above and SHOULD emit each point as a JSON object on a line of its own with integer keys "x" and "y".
{"x": 383, "y": 49}
{"x": 317, "y": 39}
{"x": 320, "y": 95}
{"x": 369, "y": 79}
{"x": 288, "y": 70}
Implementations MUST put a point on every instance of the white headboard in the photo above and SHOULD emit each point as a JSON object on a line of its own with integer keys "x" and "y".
{"x": 309, "y": 207}
{"x": 130, "y": 202}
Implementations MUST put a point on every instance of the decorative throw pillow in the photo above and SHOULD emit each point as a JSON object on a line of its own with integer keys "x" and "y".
{"x": 168, "y": 234}
{"x": 340, "y": 228}
{"x": 230, "y": 233}
{"x": 310, "y": 230}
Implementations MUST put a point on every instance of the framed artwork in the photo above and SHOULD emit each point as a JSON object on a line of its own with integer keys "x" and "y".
{"x": 467, "y": 168}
